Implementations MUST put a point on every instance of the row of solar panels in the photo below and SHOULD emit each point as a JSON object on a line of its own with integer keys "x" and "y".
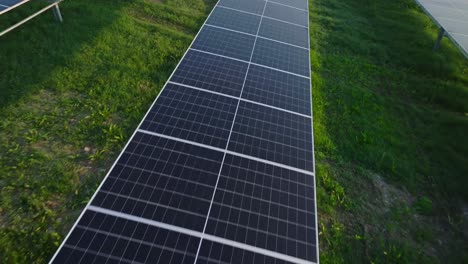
{"x": 221, "y": 168}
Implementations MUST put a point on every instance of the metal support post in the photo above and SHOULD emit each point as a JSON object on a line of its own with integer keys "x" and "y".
{"x": 57, "y": 14}
{"x": 439, "y": 38}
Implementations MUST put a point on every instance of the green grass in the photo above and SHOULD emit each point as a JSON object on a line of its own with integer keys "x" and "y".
{"x": 390, "y": 121}
{"x": 71, "y": 94}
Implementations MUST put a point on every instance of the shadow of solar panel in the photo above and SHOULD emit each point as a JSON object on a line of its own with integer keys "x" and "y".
{"x": 162, "y": 180}
{"x": 235, "y": 20}
{"x": 265, "y": 206}
{"x": 252, "y": 6}
{"x": 281, "y": 56}
{"x": 216, "y": 253}
{"x": 302, "y": 4}
{"x": 284, "y": 32}
{"x": 224, "y": 42}
{"x": 101, "y": 238}
{"x": 273, "y": 135}
{"x": 278, "y": 89}
{"x": 285, "y": 13}
{"x": 211, "y": 72}
{"x": 193, "y": 115}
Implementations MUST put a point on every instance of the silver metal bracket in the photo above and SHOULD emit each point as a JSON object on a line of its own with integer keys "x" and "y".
{"x": 439, "y": 38}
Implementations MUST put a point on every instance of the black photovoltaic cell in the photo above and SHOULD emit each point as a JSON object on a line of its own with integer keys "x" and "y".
{"x": 252, "y": 6}
{"x": 302, "y": 4}
{"x": 265, "y": 206}
{"x": 278, "y": 89}
{"x": 285, "y": 13}
{"x": 193, "y": 115}
{"x": 101, "y": 238}
{"x": 224, "y": 42}
{"x": 162, "y": 180}
{"x": 235, "y": 20}
{"x": 284, "y": 32}
{"x": 211, "y": 72}
{"x": 216, "y": 253}
{"x": 272, "y": 135}
{"x": 281, "y": 56}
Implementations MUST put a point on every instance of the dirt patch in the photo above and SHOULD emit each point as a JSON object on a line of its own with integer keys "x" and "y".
{"x": 390, "y": 195}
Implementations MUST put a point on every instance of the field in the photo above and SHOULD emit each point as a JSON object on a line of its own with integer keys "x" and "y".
{"x": 390, "y": 121}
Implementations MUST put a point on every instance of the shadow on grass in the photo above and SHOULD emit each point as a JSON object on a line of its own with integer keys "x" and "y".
{"x": 384, "y": 102}
{"x": 74, "y": 93}
{"x": 32, "y": 51}
{"x": 33, "y": 172}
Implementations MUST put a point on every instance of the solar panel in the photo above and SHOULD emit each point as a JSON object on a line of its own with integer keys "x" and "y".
{"x": 235, "y": 20}
{"x": 224, "y": 42}
{"x": 221, "y": 168}
{"x": 6, "y": 4}
{"x": 452, "y": 18}
{"x": 288, "y": 14}
{"x": 281, "y": 56}
{"x": 288, "y": 33}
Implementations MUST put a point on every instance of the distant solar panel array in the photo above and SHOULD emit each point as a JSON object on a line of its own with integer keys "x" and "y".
{"x": 221, "y": 168}
{"x": 452, "y": 18}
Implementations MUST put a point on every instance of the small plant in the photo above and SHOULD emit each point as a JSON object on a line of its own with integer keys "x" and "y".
{"x": 423, "y": 206}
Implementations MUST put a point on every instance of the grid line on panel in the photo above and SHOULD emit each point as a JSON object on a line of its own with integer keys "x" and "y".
{"x": 278, "y": 89}
{"x": 282, "y": 42}
{"x": 138, "y": 240}
{"x": 173, "y": 171}
{"x": 253, "y": 63}
{"x": 251, "y": 6}
{"x": 232, "y": 127}
{"x": 233, "y": 30}
{"x": 211, "y": 72}
{"x": 293, "y": 3}
{"x": 288, "y": 38}
{"x": 284, "y": 13}
{"x": 216, "y": 253}
{"x": 128, "y": 240}
{"x": 281, "y": 56}
{"x": 289, "y": 3}
{"x": 284, "y": 32}
{"x": 234, "y": 20}
{"x": 224, "y": 42}
{"x": 193, "y": 233}
{"x": 91, "y": 253}
{"x": 219, "y": 55}
{"x": 273, "y": 221}
{"x": 127, "y": 197}
{"x": 191, "y": 114}
{"x": 272, "y": 68}
{"x": 231, "y": 152}
{"x": 265, "y": 16}
{"x": 273, "y": 135}
{"x": 257, "y": 101}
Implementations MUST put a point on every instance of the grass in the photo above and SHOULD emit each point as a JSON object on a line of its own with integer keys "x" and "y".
{"x": 71, "y": 94}
{"x": 390, "y": 121}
